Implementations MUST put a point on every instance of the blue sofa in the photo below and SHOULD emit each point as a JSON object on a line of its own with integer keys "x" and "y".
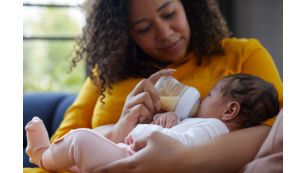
{"x": 50, "y": 107}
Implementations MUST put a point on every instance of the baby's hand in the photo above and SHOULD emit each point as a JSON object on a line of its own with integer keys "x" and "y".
{"x": 128, "y": 140}
{"x": 166, "y": 120}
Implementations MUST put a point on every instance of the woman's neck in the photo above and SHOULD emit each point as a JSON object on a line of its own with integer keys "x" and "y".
{"x": 162, "y": 65}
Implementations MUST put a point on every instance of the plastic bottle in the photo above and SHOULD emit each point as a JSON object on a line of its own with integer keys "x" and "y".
{"x": 177, "y": 97}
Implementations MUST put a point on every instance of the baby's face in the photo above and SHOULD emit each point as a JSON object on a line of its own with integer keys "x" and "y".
{"x": 213, "y": 105}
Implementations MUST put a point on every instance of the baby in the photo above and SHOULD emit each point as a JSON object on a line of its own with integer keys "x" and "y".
{"x": 235, "y": 102}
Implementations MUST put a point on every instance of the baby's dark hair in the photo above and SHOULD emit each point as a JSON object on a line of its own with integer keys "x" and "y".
{"x": 258, "y": 99}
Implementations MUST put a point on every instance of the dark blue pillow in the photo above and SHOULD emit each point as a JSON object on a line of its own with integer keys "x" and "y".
{"x": 60, "y": 111}
{"x": 50, "y": 107}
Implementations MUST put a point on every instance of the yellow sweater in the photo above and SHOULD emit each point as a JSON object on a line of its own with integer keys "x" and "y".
{"x": 241, "y": 56}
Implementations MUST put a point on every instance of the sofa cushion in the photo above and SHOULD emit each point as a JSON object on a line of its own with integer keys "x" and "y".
{"x": 60, "y": 111}
{"x": 269, "y": 158}
{"x": 50, "y": 107}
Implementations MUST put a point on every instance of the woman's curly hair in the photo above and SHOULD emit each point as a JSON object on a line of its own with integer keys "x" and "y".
{"x": 111, "y": 55}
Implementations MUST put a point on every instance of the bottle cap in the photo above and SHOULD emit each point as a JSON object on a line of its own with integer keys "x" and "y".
{"x": 186, "y": 102}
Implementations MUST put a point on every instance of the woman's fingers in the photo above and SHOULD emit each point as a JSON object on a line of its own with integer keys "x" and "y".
{"x": 146, "y": 85}
{"x": 139, "y": 144}
{"x": 131, "y": 117}
{"x": 149, "y": 140}
{"x": 140, "y": 114}
{"x": 153, "y": 79}
{"x": 155, "y": 153}
{"x": 142, "y": 98}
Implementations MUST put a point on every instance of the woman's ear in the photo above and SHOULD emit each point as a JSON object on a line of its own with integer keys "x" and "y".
{"x": 231, "y": 111}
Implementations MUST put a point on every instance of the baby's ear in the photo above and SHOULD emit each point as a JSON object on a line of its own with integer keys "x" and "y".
{"x": 231, "y": 111}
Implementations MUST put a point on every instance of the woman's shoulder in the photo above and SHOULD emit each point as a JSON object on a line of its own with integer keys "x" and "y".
{"x": 241, "y": 43}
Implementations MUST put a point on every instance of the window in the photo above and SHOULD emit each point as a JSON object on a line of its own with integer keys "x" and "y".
{"x": 49, "y": 28}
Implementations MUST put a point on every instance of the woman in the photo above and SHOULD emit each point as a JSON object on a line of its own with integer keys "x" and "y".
{"x": 125, "y": 41}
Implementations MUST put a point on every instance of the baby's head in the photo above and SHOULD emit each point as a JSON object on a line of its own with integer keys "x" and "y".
{"x": 242, "y": 100}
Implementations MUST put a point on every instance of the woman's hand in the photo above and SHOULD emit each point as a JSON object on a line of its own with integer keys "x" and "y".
{"x": 154, "y": 153}
{"x": 226, "y": 153}
{"x": 140, "y": 106}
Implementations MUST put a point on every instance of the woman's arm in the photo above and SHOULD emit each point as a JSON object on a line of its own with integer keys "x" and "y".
{"x": 227, "y": 153}
{"x": 232, "y": 150}
{"x": 140, "y": 106}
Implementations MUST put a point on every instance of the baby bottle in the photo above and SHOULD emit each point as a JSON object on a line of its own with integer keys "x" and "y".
{"x": 177, "y": 97}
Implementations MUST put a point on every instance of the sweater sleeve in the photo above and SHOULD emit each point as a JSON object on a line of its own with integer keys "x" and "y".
{"x": 79, "y": 114}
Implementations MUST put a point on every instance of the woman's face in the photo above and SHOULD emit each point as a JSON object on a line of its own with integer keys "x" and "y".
{"x": 160, "y": 28}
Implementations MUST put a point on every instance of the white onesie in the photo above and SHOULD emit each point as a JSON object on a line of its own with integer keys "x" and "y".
{"x": 190, "y": 131}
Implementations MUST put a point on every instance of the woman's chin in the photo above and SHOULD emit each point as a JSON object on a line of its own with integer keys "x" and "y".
{"x": 177, "y": 59}
{"x": 173, "y": 58}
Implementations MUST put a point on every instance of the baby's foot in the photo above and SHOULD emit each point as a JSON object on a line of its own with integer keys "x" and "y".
{"x": 38, "y": 140}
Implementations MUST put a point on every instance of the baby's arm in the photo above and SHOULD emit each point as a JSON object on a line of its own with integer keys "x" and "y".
{"x": 160, "y": 121}
{"x": 166, "y": 120}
